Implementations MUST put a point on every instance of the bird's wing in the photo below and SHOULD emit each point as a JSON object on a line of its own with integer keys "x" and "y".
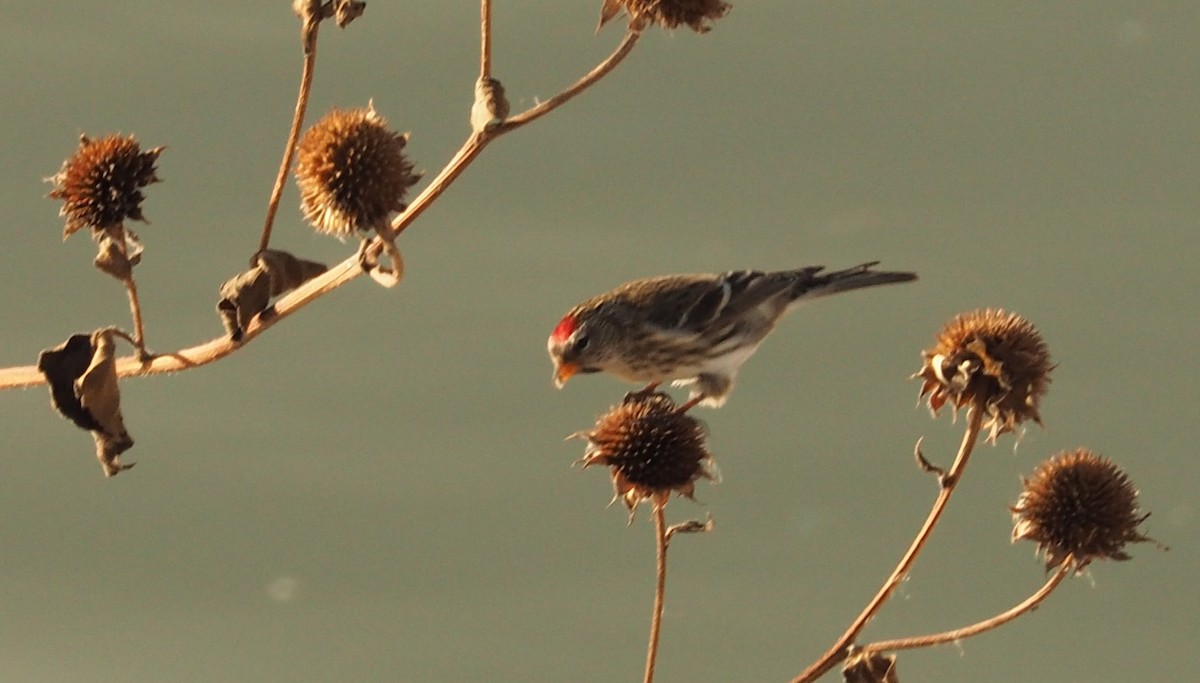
{"x": 691, "y": 304}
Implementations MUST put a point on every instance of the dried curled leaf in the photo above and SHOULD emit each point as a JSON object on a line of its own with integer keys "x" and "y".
{"x": 346, "y": 11}
{"x": 248, "y": 294}
{"x": 82, "y": 374}
{"x": 119, "y": 263}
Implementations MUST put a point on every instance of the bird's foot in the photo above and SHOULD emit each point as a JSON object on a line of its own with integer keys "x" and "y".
{"x": 641, "y": 394}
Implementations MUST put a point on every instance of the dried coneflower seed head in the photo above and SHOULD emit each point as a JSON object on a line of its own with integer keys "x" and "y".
{"x": 695, "y": 14}
{"x": 1078, "y": 505}
{"x": 352, "y": 172}
{"x": 100, "y": 185}
{"x": 990, "y": 359}
{"x": 651, "y": 448}
{"x": 870, "y": 667}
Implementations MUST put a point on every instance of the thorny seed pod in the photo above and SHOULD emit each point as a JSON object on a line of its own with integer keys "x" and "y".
{"x": 100, "y": 185}
{"x": 870, "y": 667}
{"x": 990, "y": 359}
{"x": 669, "y": 14}
{"x": 1081, "y": 505}
{"x": 651, "y": 448}
{"x": 352, "y": 172}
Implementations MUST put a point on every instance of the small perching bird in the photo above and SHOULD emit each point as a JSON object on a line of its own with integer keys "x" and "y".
{"x": 691, "y": 329}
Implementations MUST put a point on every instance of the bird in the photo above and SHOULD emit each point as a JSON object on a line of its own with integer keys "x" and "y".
{"x": 695, "y": 329}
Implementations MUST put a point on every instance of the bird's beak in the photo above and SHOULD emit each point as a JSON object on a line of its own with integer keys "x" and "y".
{"x": 564, "y": 372}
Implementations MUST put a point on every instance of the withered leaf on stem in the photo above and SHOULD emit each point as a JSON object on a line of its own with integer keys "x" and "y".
{"x": 346, "y": 11}
{"x": 82, "y": 374}
{"x": 61, "y": 366}
{"x": 248, "y": 294}
{"x": 110, "y": 258}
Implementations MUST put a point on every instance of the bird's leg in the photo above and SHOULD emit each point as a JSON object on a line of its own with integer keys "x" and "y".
{"x": 645, "y": 392}
{"x": 690, "y": 403}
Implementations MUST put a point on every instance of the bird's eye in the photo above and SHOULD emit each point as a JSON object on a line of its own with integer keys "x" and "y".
{"x": 581, "y": 342}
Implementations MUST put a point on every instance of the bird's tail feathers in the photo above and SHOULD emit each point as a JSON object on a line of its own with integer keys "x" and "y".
{"x": 813, "y": 283}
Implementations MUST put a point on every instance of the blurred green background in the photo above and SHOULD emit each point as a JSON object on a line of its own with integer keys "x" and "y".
{"x": 378, "y": 489}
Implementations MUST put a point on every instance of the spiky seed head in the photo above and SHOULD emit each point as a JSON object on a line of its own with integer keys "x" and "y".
{"x": 669, "y": 14}
{"x": 651, "y": 449}
{"x": 100, "y": 185}
{"x": 1078, "y": 505}
{"x": 352, "y": 172}
{"x": 870, "y": 667}
{"x": 990, "y": 359}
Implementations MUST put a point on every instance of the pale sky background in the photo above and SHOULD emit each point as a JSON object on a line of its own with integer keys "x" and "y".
{"x": 378, "y": 490}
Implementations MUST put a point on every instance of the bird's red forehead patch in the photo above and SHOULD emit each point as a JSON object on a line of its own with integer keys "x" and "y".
{"x": 565, "y": 327}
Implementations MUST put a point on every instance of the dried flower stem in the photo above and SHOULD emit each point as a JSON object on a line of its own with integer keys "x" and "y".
{"x": 660, "y": 588}
{"x": 348, "y": 270}
{"x": 308, "y": 36}
{"x": 475, "y": 144}
{"x": 602, "y": 69}
{"x": 840, "y": 650}
{"x": 1028, "y": 605}
{"x": 485, "y": 29}
{"x": 135, "y": 307}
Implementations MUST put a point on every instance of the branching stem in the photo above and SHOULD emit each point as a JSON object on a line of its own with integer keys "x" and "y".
{"x": 349, "y": 269}
{"x": 841, "y": 649}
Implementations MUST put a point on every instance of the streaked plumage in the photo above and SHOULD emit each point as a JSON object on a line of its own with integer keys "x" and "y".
{"x": 691, "y": 329}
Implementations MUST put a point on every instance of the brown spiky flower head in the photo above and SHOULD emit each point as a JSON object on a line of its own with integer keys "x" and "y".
{"x": 695, "y": 14}
{"x": 100, "y": 185}
{"x": 1078, "y": 505}
{"x": 651, "y": 448}
{"x": 352, "y": 172}
{"x": 992, "y": 360}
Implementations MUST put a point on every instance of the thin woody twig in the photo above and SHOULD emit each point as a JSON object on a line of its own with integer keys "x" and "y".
{"x": 135, "y": 307}
{"x": 841, "y": 647}
{"x": 485, "y": 28}
{"x": 660, "y": 587}
{"x": 308, "y": 36}
{"x": 1029, "y": 604}
{"x": 602, "y": 69}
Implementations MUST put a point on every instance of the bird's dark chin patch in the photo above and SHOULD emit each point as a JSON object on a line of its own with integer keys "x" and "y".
{"x": 588, "y": 371}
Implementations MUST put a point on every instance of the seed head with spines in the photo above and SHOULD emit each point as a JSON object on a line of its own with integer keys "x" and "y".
{"x": 1078, "y": 505}
{"x": 651, "y": 448}
{"x": 352, "y": 172}
{"x": 101, "y": 184}
{"x": 669, "y": 14}
{"x": 990, "y": 359}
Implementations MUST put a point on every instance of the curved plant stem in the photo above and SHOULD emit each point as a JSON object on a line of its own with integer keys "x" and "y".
{"x": 349, "y": 269}
{"x": 660, "y": 588}
{"x": 308, "y": 35}
{"x": 536, "y": 112}
{"x": 1028, "y": 605}
{"x": 840, "y": 649}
